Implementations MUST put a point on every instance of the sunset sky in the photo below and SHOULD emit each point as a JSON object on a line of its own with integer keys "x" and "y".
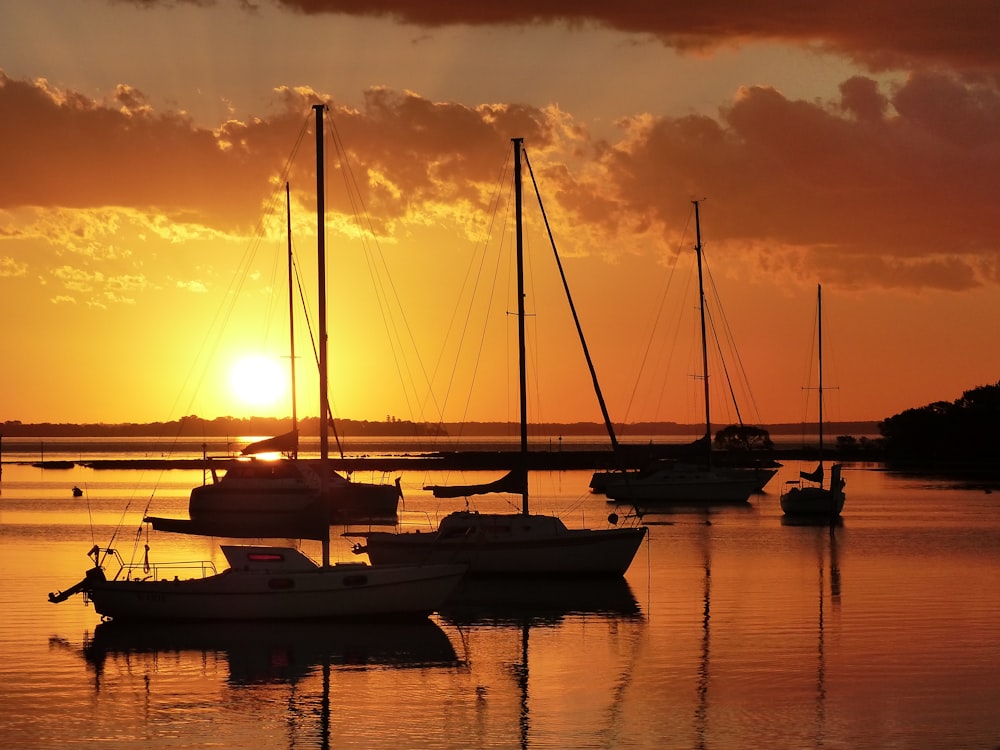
{"x": 852, "y": 144}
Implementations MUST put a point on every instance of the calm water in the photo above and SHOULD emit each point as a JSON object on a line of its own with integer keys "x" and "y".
{"x": 731, "y": 630}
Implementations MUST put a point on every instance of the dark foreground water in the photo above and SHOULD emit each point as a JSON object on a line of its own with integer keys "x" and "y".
{"x": 731, "y": 630}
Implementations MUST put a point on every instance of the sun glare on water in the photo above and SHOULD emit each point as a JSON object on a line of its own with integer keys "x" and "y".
{"x": 257, "y": 380}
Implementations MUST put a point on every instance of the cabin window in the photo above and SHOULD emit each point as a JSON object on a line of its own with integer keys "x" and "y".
{"x": 355, "y": 580}
{"x": 265, "y": 557}
{"x": 281, "y": 583}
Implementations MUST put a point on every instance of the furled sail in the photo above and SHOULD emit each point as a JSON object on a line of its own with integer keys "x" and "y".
{"x": 515, "y": 482}
{"x": 312, "y": 522}
{"x": 277, "y": 444}
{"x": 813, "y": 476}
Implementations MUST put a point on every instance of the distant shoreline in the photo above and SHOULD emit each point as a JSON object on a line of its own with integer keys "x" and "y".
{"x": 390, "y": 455}
{"x": 230, "y": 428}
{"x": 484, "y": 446}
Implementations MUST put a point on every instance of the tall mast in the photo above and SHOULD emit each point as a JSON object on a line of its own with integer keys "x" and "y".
{"x": 522, "y": 369}
{"x": 819, "y": 326}
{"x": 324, "y": 442}
{"x": 704, "y": 339}
{"x": 291, "y": 319}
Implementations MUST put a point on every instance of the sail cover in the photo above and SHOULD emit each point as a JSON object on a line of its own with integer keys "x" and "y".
{"x": 515, "y": 482}
{"x": 309, "y": 524}
{"x": 813, "y": 476}
{"x": 279, "y": 443}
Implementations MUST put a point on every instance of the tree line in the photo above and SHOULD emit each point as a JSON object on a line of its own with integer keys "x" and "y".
{"x": 963, "y": 430}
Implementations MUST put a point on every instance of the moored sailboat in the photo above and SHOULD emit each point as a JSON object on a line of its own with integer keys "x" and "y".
{"x": 510, "y": 543}
{"x": 269, "y": 582}
{"x": 254, "y": 487}
{"x": 257, "y": 487}
{"x": 669, "y": 482}
{"x": 816, "y": 499}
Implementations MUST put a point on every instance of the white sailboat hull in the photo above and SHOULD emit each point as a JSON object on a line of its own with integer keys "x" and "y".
{"x": 510, "y": 544}
{"x": 289, "y": 486}
{"x": 266, "y": 582}
{"x": 599, "y": 480}
{"x": 679, "y": 484}
{"x": 289, "y": 588}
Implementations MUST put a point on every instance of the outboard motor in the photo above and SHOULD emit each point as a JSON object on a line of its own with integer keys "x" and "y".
{"x": 93, "y": 575}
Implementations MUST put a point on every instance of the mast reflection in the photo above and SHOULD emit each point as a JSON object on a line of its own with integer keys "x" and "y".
{"x": 523, "y": 605}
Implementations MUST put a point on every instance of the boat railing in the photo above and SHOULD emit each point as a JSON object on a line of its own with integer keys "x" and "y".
{"x": 169, "y": 571}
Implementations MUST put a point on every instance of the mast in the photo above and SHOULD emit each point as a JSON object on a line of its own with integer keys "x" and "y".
{"x": 324, "y": 442}
{"x": 819, "y": 327}
{"x": 522, "y": 369}
{"x": 291, "y": 319}
{"x": 704, "y": 339}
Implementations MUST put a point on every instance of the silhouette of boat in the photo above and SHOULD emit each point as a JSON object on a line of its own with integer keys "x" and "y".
{"x": 289, "y": 484}
{"x": 517, "y": 599}
{"x": 815, "y": 499}
{"x": 279, "y": 651}
{"x": 679, "y": 482}
{"x": 268, "y": 582}
{"x": 510, "y": 543}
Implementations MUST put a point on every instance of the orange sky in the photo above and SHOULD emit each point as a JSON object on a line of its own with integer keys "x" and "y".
{"x": 853, "y": 146}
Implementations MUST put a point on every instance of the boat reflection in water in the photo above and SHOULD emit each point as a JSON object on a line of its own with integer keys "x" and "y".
{"x": 514, "y": 599}
{"x": 823, "y": 547}
{"x": 278, "y": 652}
{"x": 502, "y": 608}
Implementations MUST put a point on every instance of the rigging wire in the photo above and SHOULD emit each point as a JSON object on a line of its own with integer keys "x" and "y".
{"x": 216, "y": 329}
{"x": 375, "y": 261}
{"x": 572, "y": 308}
{"x": 474, "y": 275}
{"x": 210, "y": 341}
{"x": 397, "y": 327}
{"x": 653, "y": 333}
{"x": 722, "y": 335}
{"x": 730, "y": 339}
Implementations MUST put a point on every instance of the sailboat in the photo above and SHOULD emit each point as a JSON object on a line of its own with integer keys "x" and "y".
{"x": 815, "y": 499}
{"x": 268, "y": 582}
{"x": 509, "y": 543}
{"x": 668, "y": 482}
{"x": 266, "y": 488}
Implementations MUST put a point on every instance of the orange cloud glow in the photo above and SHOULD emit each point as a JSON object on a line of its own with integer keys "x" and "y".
{"x": 127, "y": 222}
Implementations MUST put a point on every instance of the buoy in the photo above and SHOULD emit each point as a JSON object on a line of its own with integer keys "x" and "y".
{"x": 77, "y": 492}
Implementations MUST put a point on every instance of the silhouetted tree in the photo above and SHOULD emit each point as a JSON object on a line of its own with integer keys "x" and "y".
{"x": 965, "y": 429}
{"x": 737, "y": 437}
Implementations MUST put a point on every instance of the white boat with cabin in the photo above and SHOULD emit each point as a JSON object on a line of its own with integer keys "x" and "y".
{"x": 670, "y": 482}
{"x": 268, "y": 582}
{"x": 509, "y": 543}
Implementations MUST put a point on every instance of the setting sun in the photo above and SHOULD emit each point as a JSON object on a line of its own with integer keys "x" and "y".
{"x": 881, "y": 187}
{"x": 257, "y": 380}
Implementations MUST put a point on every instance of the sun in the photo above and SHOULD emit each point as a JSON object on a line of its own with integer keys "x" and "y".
{"x": 257, "y": 380}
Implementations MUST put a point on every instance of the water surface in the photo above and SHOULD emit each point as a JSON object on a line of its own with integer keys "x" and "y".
{"x": 731, "y": 629}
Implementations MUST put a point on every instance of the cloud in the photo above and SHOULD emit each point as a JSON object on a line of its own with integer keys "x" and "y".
{"x": 196, "y": 287}
{"x": 846, "y": 180}
{"x": 78, "y": 280}
{"x": 61, "y": 148}
{"x": 883, "y": 35}
{"x": 9, "y": 267}
{"x": 904, "y": 174}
